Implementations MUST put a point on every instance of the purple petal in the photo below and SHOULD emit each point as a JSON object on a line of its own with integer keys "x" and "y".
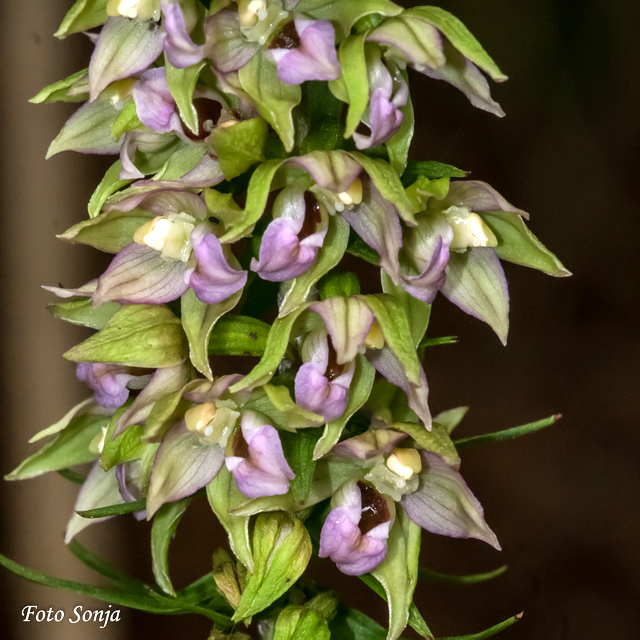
{"x": 139, "y": 275}
{"x": 348, "y": 321}
{"x": 228, "y": 49}
{"x": 179, "y": 48}
{"x": 213, "y": 279}
{"x": 315, "y": 393}
{"x": 123, "y": 48}
{"x": 384, "y": 120}
{"x": 108, "y": 381}
{"x": 183, "y": 464}
{"x": 315, "y": 58}
{"x": 377, "y": 222}
{"x": 332, "y": 170}
{"x": 155, "y": 105}
{"x": 207, "y": 391}
{"x": 426, "y": 285}
{"x": 129, "y": 170}
{"x": 370, "y": 444}
{"x": 444, "y": 504}
{"x": 478, "y": 196}
{"x": 265, "y": 471}
{"x": 387, "y": 363}
{"x": 207, "y": 174}
{"x": 127, "y": 475}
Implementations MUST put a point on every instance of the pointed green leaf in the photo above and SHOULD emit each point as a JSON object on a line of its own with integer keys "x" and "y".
{"x": 198, "y": 321}
{"x": 398, "y": 146}
{"x": 179, "y": 159}
{"x": 88, "y": 130}
{"x": 223, "y": 497}
{"x": 57, "y": 427}
{"x": 113, "y": 510}
{"x": 431, "y": 170}
{"x": 137, "y": 336}
{"x": 329, "y": 255}
{"x": 59, "y": 91}
{"x": 110, "y": 231}
{"x": 460, "y": 38}
{"x": 359, "y": 392}
{"x": 182, "y": 84}
{"x": 294, "y": 417}
{"x": 83, "y": 15}
{"x": 418, "y": 312}
{"x": 517, "y": 244}
{"x": 389, "y": 185}
{"x": 107, "y": 187}
{"x": 125, "y": 447}
{"x": 488, "y": 632}
{"x": 436, "y": 440}
{"x": 68, "y": 449}
{"x": 451, "y": 418}
{"x": 447, "y": 578}
{"x": 127, "y": 120}
{"x": 257, "y": 196}
{"x": 281, "y": 552}
{"x": 165, "y": 523}
{"x": 72, "y": 476}
{"x": 275, "y": 349}
{"x": 275, "y": 99}
{"x": 507, "y": 434}
{"x": 298, "y": 450}
{"x": 239, "y": 146}
{"x": 81, "y": 311}
{"x": 354, "y": 76}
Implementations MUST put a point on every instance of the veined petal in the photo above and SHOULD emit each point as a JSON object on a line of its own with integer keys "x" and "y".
{"x": 332, "y": 170}
{"x": 377, "y": 222}
{"x": 123, "y": 48}
{"x": 108, "y": 381}
{"x": 155, "y": 105}
{"x": 183, "y": 464}
{"x": 139, "y": 275}
{"x": 315, "y": 58}
{"x": 227, "y": 48}
{"x": 370, "y": 444}
{"x": 426, "y": 285}
{"x": 129, "y": 170}
{"x": 179, "y": 48}
{"x": 213, "y": 279}
{"x": 477, "y": 196}
{"x": 348, "y": 321}
{"x": 444, "y": 504}
{"x": 316, "y": 393}
{"x": 265, "y": 471}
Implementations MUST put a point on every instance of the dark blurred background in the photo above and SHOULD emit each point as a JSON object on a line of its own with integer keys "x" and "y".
{"x": 564, "y": 502}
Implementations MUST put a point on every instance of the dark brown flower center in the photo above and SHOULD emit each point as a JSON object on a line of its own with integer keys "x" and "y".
{"x": 312, "y": 216}
{"x": 286, "y": 38}
{"x": 333, "y": 368}
{"x": 240, "y": 446}
{"x": 209, "y": 112}
{"x": 375, "y": 510}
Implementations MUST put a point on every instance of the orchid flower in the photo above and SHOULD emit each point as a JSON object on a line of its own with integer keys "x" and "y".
{"x": 110, "y": 382}
{"x": 175, "y": 250}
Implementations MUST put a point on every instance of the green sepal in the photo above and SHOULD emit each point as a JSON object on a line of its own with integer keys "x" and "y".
{"x": 354, "y": 78}
{"x": 238, "y": 336}
{"x": 59, "y": 91}
{"x": 517, "y": 244}
{"x": 165, "y": 412}
{"x": 179, "y": 159}
{"x": 359, "y": 392}
{"x": 436, "y": 440}
{"x": 141, "y": 335}
{"x": 165, "y": 523}
{"x": 447, "y": 578}
{"x": 86, "y": 407}
{"x": 431, "y": 170}
{"x": 69, "y": 448}
{"x": 239, "y": 146}
{"x": 274, "y": 99}
{"x": 223, "y": 496}
{"x": 182, "y": 84}
{"x": 451, "y": 418}
{"x": 88, "y": 130}
{"x": 298, "y": 450}
{"x": 281, "y": 552}
{"x": 83, "y": 15}
{"x": 110, "y": 232}
{"x": 398, "y": 146}
{"x": 398, "y": 572}
{"x": 329, "y": 256}
{"x": 293, "y": 416}
{"x": 507, "y": 434}
{"x": 460, "y": 37}
{"x": 257, "y": 196}
{"x": 423, "y": 189}
{"x": 109, "y": 184}
{"x": 198, "y": 321}
{"x": 81, "y": 311}
{"x": 344, "y": 15}
{"x": 125, "y": 447}
{"x": 418, "y": 312}
{"x": 127, "y": 120}
{"x": 389, "y": 185}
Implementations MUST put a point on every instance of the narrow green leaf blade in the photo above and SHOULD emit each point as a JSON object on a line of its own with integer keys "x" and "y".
{"x": 447, "y": 578}
{"x": 507, "y": 434}
{"x": 83, "y": 15}
{"x": 114, "y": 510}
{"x": 488, "y": 632}
{"x": 58, "y": 91}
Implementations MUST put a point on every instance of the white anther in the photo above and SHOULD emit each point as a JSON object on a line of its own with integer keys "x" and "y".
{"x": 169, "y": 234}
{"x": 469, "y": 230}
{"x": 405, "y": 463}
{"x": 353, "y": 195}
{"x": 251, "y": 11}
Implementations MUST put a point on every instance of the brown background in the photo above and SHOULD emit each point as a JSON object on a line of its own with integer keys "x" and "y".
{"x": 563, "y": 502}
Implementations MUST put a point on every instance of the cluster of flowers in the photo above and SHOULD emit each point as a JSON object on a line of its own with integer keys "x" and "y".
{"x": 259, "y": 141}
